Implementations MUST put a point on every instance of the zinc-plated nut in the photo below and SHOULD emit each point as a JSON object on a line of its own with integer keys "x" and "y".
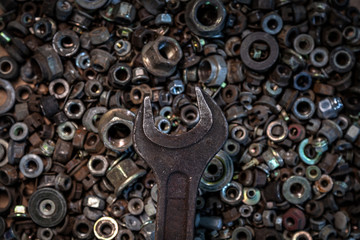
{"x": 303, "y": 108}
{"x": 66, "y": 131}
{"x": 19, "y": 131}
{"x": 47, "y": 147}
{"x": 47, "y": 207}
{"x": 160, "y": 57}
{"x": 319, "y": 57}
{"x": 268, "y": 218}
{"x": 296, "y": 189}
{"x": 304, "y": 44}
{"x": 150, "y": 208}
{"x": 31, "y": 165}
{"x": 251, "y": 196}
{"x": 98, "y": 165}
{"x": 231, "y": 193}
{"x": 272, "y": 23}
{"x": 176, "y": 87}
{"x": 272, "y": 158}
{"x": 136, "y": 206}
{"x": 59, "y": 88}
{"x": 94, "y": 202}
{"x": 277, "y": 130}
{"x": 329, "y": 107}
{"x": 163, "y": 124}
{"x": 124, "y": 174}
{"x": 205, "y": 18}
{"x": 99, "y": 35}
{"x": 10, "y": 96}
{"x": 278, "y": 223}
{"x": 115, "y": 128}
{"x": 91, "y": 117}
{"x": 106, "y": 228}
{"x": 212, "y": 70}
{"x": 74, "y": 109}
{"x": 66, "y": 43}
{"x": 304, "y": 157}
{"x": 218, "y": 172}
{"x": 324, "y": 184}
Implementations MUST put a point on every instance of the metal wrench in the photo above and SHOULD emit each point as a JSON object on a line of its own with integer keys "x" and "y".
{"x": 178, "y": 162}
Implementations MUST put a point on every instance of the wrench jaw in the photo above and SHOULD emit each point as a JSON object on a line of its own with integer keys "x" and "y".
{"x": 178, "y": 163}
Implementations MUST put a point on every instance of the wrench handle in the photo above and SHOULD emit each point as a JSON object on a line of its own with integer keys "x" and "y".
{"x": 176, "y": 208}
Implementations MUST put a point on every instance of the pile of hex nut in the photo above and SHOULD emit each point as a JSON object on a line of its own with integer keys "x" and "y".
{"x": 73, "y": 74}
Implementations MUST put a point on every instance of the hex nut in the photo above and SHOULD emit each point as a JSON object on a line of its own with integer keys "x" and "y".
{"x": 296, "y": 189}
{"x": 31, "y": 165}
{"x": 212, "y": 70}
{"x": 115, "y": 128}
{"x": 74, "y": 109}
{"x": 98, "y": 165}
{"x": 160, "y": 57}
{"x": 205, "y": 18}
{"x": 106, "y": 228}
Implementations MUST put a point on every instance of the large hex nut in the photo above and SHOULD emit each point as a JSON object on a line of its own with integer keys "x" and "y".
{"x": 161, "y": 56}
{"x": 205, "y": 18}
{"x": 115, "y": 128}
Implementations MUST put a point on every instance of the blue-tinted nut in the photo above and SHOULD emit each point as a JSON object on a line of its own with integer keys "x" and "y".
{"x": 163, "y": 124}
{"x": 115, "y": 129}
{"x": 232, "y": 193}
{"x": 304, "y": 156}
{"x": 94, "y": 202}
{"x": 303, "y": 108}
{"x": 124, "y": 13}
{"x": 98, "y": 165}
{"x": 44, "y": 29}
{"x": 205, "y": 18}
{"x": 218, "y": 173}
{"x": 272, "y": 23}
{"x": 153, "y": 6}
{"x": 160, "y": 57}
{"x": 74, "y": 109}
{"x": 296, "y": 190}
{"x": 66, "y": 43}
{"x": 31, "y": 165}
{"x": 342, "y": 59}
{"x": 66, "y": 131}
{"x": 176, "y": 87}
{"x": 302, "y": 81}
{"x": 83, "y": 60}
{"x": 63, "y": 10}
{"x": 329, "y": 107}
{"x": 46, "y": 63}
{"x": 99, "y": 35}
{"x": 163, "y": 19}
{"x": 352, "y": 133}
{"x": 19, "y": 131}
{"x": 272, "y": 158}
{"x": 123, "y": 174}
{"x": 212, "y": 70}
{"x": 122, "y": 47}
{"x": 101, "y": 60}
{"x": 120, "y": 74}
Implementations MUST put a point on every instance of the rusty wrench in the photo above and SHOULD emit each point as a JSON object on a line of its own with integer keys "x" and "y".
{"x": 178, "y": 162}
